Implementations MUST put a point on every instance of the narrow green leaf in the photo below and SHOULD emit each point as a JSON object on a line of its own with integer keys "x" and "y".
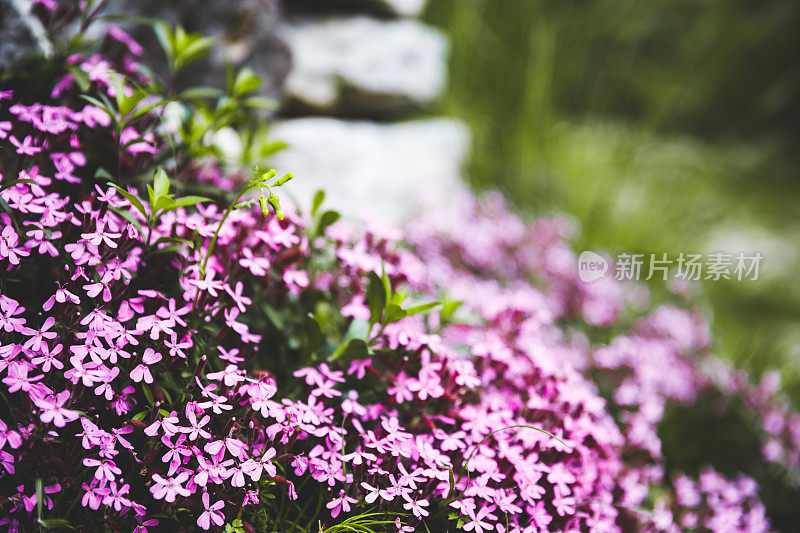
{"x": 135, "y": 202}
{"x": 39, "y": 498}
{"x": 268, "y": 149}
{"x": 177, "y": 240}
{"x": 103, "y": 174}
{"x": 327, "y": 218}
{"x": 173, "y": 248}
{"x": 164, "y": 202}
{"x": 148, "y": 394}
{"x": 166, "y": 39}
{"x": 55, "y": 523}
{"x": 128, "y": 216}
{"x": 376, "y": 298}
{"x": 246, "y": 82}
{"x": 319, "y": 197}
{"x": 161, "y": 183}
{"x": 200, "y": 93}
{"x": 387, "y": 285}
{"x": 399, "y": 296}
{"x": 186, "y": 201}
{"x": 146, "y": 109}
{"x": 422, "y": 308}
{"x": 7, "y": 184}
{"x": 260, "y": 102}
{"x": 151, "y": 194}
{"x": 394, "y": 313}
{"x": 103, "y": 107}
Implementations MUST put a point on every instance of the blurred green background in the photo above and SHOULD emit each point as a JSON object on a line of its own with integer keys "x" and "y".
{"x": 661, "y": 126}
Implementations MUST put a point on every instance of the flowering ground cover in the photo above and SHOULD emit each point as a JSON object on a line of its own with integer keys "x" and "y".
{"x": 171, "y": 361}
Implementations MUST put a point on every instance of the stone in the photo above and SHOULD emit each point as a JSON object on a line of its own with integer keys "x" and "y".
{"x": 363, "y": 66}
{"x": 392, "y": 8}
{"x": 248, "y": 33}
{"x": 377, "y": 172}
{"x": 21, "y": 33}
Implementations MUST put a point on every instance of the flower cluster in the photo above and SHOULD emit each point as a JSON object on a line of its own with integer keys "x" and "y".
{"x": 167, "y": 363}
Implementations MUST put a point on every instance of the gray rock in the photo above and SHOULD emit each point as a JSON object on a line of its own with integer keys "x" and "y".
{"x": 21, "y": 33}
{"x": 394, "y": 8}
{"x": 247, "y": 32}
{"x": 377, "y": 172}
{"x": 363, "y": 66}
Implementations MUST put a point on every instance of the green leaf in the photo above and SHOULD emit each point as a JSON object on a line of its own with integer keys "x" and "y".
{"x": 148, "y": 394}
{"x": 267, "y": 149}
{"x": 327, "y": 218}
{"x": 39, "y": 498}
{"x": 387, "y": 285}
{"x": 164, "y": 202}
{"x": 260, "y": 102}
{"x": 80, "y": 77}
{"x": 128, "y": 216}
{"x": 7, "y": 184}
{"x": 135, "y": 202}
{"x": 422, "y": 308}
{"x": 166, "y": 39}
{"x": 55, "y": 523}
{"x": 176, "y": 240}
{"x": 173, "y": 248}
{"x": 151, "y": 194}
{"x": 246, "y": 82}
{"x": 319, "y": 197}
{"x": 103, "y": 174}
{"x": 394, "y": 313}
{"x": 128, "y": 103}
{"x": 146, "y": 109}
{"x": 161, "y": 183}
{"x": 314, "y": 337}
{"x": 138, "y": 417}
{"x": 399, "y": 296}
{"x": 185, "y": 201}
{"x": 103, "y": 107}
{"x": 354, "y": 349}
{"x": 376, "y": 298}
{"x": 449, "y": 307}
{"x": 199, "y": 93}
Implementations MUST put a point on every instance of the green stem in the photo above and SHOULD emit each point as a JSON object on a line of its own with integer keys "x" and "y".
{"x": 219, "y": 227}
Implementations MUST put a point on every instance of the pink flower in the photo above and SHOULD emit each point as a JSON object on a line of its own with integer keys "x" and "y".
{"x": 230, "y": 376}
{"x": 340, "y": 503}
{"x": 168, "y": 489}
{"x": 8, "y": 246}
{"x": 94, "y": 495}
{"x": 53, "y": 409}
{"x": 25, "y": 147}
{"x": 254, "y": 468}
{"x": 142, "y": 371}
{"x": 211, "y": 513}
{"x": 477, "y": 522}
{"x": 61, "y": 296}
{"x": 36, "y": 337}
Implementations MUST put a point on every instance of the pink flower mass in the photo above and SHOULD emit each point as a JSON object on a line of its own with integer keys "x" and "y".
{"x": 156, "y": 388}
